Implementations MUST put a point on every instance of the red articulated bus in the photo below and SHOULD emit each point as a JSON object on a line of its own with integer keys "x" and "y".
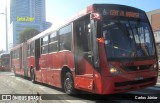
{"x": 5, "y": 62}
{"x": 104, "y": 49}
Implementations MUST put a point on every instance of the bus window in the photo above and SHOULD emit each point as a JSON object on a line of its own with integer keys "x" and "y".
{"x": 83, "y": 57}
{"x": 44, "y": 47}
{"x": 53, "y": 42}
{"x": 17, "y": 54}
{"x": 28, "y": 50}
{"x": 82, "y": 33}
{"x": 32, "y": 49}
{"x": 65, "y": 38}
{"x": 20, "y": 56}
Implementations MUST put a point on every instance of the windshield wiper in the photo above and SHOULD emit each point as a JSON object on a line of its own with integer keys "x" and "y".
{"x": 134, "y": 53}
{"x": 116, "y": 47}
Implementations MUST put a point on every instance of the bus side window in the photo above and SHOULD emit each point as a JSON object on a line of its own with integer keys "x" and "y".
{"x": 65, "y": 37}
{"x": 32, "y": 49}
{"x": 28, "y": 50}
{"x": 44, "y": 46}
{"x": 53, "y": 42}
{"x": 17, "y": 54}
{"x": 20, "y": 57}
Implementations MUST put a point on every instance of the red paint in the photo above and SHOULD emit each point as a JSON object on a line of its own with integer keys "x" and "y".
{"x": 86, "y": 78}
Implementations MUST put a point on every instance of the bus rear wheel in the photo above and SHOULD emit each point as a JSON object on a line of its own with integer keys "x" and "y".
{"x": 32, "y": 76}
{"x": 68, "y": 84}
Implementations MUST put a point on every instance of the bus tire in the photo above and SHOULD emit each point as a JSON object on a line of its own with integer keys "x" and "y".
{"x": 32, "y": 76}
{"x": 68, "y": 84}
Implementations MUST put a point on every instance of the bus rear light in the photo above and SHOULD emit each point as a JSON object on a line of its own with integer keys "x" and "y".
{"x": 113, "y": 70}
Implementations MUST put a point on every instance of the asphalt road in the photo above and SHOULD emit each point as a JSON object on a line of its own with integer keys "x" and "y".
{"x": 10, "y": 84}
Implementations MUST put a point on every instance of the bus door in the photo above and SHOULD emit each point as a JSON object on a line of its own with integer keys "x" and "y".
{"x": 25, "y": 60}
{"x": 83, "y": 56}
{"x": 37, "y": 53}
{"x": 20, "y": 61}
{"x": 43, "y": 61}
{"x": 37, "y": 57}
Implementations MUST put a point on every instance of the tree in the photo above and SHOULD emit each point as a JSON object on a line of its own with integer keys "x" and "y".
{"x": 27, "y": 34}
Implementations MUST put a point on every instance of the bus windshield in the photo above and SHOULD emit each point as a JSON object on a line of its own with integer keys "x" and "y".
{"x": 5, "y": 60}
{"x": 128, "y": 39}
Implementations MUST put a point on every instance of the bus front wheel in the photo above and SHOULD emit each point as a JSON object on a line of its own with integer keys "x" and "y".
{"x": 68, "y": 84}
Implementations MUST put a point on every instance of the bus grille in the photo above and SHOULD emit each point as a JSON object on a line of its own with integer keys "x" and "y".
{"x": 135, "y": 68}
{"x": 134, "y": 82}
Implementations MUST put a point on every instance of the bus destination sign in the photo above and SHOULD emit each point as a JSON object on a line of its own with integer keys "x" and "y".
{"x": 121, "y": 13}
{"x": 124, "y": 13}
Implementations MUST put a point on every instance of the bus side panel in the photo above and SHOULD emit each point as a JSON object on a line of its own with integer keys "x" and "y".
{"x": 65, "y": 60}
{"x": 24, "y": 58}
{"x": 53, "y": 69}
{"x": 44, "y": 75}
{"x": 16, "y": 65}
{"x": 30, "y": 62}
{"x": 44, "y": 66}
{"x": 56, "y": 62}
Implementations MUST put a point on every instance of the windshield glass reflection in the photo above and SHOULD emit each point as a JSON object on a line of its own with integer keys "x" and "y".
{"x": 128, "y": 39}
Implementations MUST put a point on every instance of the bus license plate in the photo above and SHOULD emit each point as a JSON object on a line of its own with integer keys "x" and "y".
{"x": 139, "y": 78}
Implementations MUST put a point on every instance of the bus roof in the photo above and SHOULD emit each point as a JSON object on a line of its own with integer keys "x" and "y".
{"x": 17, "y": 46}
{"x": 87, "y": 10}
{"x": 2, "y": 54}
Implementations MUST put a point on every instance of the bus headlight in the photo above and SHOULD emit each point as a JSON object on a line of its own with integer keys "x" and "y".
{"x": 113, "y": 70}
{"x": 153, "y": 67}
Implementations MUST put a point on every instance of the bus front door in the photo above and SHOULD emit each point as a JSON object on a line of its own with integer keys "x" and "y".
{"x": 83, "y": 57}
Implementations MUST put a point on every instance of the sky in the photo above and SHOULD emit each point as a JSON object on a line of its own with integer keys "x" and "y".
{"x": 59, "y": 10}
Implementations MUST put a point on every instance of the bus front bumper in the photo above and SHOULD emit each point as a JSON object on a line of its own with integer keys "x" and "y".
{"x": 128, "y": 82}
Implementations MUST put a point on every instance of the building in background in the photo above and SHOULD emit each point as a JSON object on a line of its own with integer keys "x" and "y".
{"x": 154, "y": 18}
{"x": 25, "y": 14}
